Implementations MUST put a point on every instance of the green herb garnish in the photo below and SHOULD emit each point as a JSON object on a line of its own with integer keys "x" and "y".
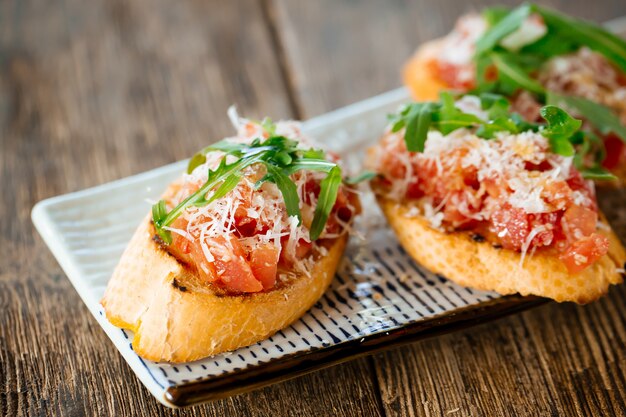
{"x": 518, "y": 71}
{"x": 280, "y": 156}
{"x": 363, "y": 176}
{"x": 600, "y": 116}
{"x": 445, "y": 117}
{"x": 505, "y": 25}
{"x": 561, "y": 127}
{"x": 562, "y": 130}
{"x": 564, "y": 34}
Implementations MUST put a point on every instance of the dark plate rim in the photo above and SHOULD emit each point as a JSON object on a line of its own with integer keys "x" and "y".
{"x": 297, "y": 364}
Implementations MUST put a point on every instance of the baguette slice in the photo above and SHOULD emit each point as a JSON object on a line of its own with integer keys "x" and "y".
{"x": 480, "y": 265}
{"x": 175, "y": 317}
{"x": 420, "y": 73}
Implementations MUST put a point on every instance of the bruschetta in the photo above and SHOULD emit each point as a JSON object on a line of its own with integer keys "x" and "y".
{"x": 494, "y": 202}
{"x": 241, "y": 246}
{"x": 534, "y": 56}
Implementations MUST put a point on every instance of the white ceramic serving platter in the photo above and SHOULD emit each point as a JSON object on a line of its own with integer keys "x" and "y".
{"x": 379, "y": 298}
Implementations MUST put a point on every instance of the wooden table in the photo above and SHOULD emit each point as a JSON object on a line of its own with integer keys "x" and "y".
{"x": 95, "y": 91}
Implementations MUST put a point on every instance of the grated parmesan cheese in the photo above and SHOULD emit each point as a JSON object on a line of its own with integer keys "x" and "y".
{"x": 263, "y": 206}
{"x": 506, "y": 172}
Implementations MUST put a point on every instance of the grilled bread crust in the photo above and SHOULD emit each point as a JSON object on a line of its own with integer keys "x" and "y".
{"x": 478, "y": 264}
{"x": 176, "y": 317}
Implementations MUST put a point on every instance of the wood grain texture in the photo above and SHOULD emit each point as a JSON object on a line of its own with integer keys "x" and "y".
{"x": 556, "y": 360}
{"x": 95, "y": 91}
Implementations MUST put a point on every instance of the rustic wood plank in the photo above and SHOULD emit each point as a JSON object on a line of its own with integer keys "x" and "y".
{"x": 91, "y": 92}
{"x": 556, "y": 360}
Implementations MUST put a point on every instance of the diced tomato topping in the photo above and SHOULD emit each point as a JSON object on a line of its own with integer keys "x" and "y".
{"x": 527, "y": 106}
{"x": 449, "y": 74}
{"x": 513, "y": 227}
{"x": 584, "y": 252}
{"x": 238, "y": 269}
{"x": 491, "y": 73}
{"x": 458, "y": 212}
{"x": 414, "y": 190}
{"x": 568, "y": 224}
{"x": 245, "y": 225}
{"x": 558, "y": 194}
{"x": 303, "y": 248}
{"x": 264, "y": 264}
{"x": 234, "y": 272}
{"x": 615, "y": 152}
{"x": 578, "y": 222}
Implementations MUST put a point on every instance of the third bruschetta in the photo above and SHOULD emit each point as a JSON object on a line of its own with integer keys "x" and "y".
{"x": 535, "y": 56}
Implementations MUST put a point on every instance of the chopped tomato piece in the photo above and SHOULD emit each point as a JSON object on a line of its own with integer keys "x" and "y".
{"x": 558, "y": 194}
{"x": 578, "y": 222}
{"x": 615, "y": 151}
{"x": 233, "y": 271}
{"x": 493, "y": 186}
{"x": 514, "y": 227}
{"x": 449, "y": 74}
{"x": 458, "y": 213}
{"x": 264, "y": 264}
{"x": 303, "y": 248}
{"x": 245, "y": 225}
{"x": 584, "y": 252}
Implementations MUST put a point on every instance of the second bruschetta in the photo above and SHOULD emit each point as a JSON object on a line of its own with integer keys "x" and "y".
{"x": 494, "y": 202}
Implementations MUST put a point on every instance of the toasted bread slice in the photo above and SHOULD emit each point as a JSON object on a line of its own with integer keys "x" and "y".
{"x": 480, "y": 265}
{"x": 175, "y": 317}
{"x": 420, "y": 73}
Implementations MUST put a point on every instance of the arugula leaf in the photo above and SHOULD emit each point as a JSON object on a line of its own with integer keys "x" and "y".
{"x": 446, "y": 117}
{"x": 496, "y": 105}
{"x": 363, "y": 176}
{"x": 420, "y": 119}
{"x": 493, "y": 15}
{"x": 450, "y": 118}
{"x": 325, "y": 202}
{"x": 507, "y": 25}
{"x": 550, "y": 45}
{"x": 597, "y": 173}
{"x": 584, "y": 33}
{"x": 514, "y": 74}
{"x": 280, "y": 156}
{"x": 159, "y": 214}
{"x": 489, "y": 129}
{"x": 227, "y": 186}
{"x": 600, "y": 116}
{"x": 561, "y": 127}
{"x": 484, "y": 66}
{"x": 268, "y": 126}
{"x": 310, "y": 165}
{"x": 313, "y": 154}
{"x": 195, "y": 161}
{"x": 287, "y": 188}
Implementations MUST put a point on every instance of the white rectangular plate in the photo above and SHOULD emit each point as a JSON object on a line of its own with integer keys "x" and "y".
{"x": 379, "y": 291}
